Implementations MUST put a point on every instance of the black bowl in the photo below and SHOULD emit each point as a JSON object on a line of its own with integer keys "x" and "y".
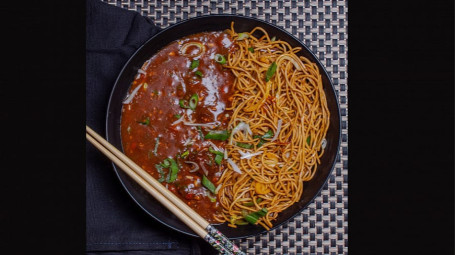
{"x": 217, "y": 23}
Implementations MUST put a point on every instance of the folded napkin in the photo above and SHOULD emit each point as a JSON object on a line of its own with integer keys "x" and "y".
{"x": 115, "y": 224}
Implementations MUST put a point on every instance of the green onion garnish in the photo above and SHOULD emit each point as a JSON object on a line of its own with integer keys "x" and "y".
{"x": 182, "y": 104}
{"x": 254, "y": 217}
{"x": 242, "y": 36}
{"x": 177, "y": 116}
{"x": 261, "y": 141}
{"x": 215, "y": 151}
{"x": 308, "y": 139}
{"x": 208, "y": 184}
{"x": 194, "y": 99}
{"x": 221, "y": 135}
{"x": 212, "y": 199}
{"x": 220, "y": 59}
{"x": 145, "y": 122}
{"x": 198, "y": 73}
{"x": 270, "y": 72}
{"x": 194, "y": 64}
{"x": 240, "y": 222}
{"x": 166, "y": 163}
{"x": 268, "y": 134}
{"x": 160, "y": 171}
{"x": 251, "y": 49}
{"x": 199, "y": 129}
{"x": 218, "y": 159}
{"x": 244, "y": 145}
{"x": 185, "y": 154}
{"x": 157, "y": 142}
{"x": 273, "y": 39}
{"x": 174, "y": 170}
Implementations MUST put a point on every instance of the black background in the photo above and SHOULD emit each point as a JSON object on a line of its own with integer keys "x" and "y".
{"x": 42, "y": 90}
{"x": 401, "y": 87}
{"x": 401, "y": 132}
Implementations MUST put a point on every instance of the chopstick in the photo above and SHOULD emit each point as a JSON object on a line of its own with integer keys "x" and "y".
{"x": 188, "y": 216}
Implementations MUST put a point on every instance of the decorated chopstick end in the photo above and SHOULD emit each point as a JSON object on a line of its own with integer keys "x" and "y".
{"x": 217, "y": 245}
{"x": 223, "y": 241}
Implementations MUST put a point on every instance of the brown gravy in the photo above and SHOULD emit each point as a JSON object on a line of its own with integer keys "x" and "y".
{"x": 149, "y": 136}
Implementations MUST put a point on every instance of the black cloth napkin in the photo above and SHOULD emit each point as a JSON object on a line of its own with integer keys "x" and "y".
{"x": 115, "y": 224}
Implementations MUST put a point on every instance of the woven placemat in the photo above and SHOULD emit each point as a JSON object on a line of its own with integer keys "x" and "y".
{"x": 322, "y": 228}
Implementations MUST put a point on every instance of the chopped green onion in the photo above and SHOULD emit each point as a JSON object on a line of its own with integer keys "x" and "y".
{"x": 194, "y": 64}
{"x": 212, "y": 199}
{"x": 308, "y": 139}
{"x": 244, "y": 213}
{"x": 268, "y": 134}
{"x": 182, "y": 104}
{"x": 251, "y": 49}
{"x": 185, "y": 154}
{"x": 177, "y": 116}
{"x": 215, "y": 151}
{"x": 157, "y": 142}
{"x": 220, "y": 59}
{"x": 208, "y": 184}
{"x": 240, "y": 222}
{"x": 198, "y": 73}
{"x": 273, "y": 39}
{"x": 174, "y": 170}
{"x": 218, "y": 159}
{"x": 245, "y": 145}
{"x": 166, "y": 163}
{"x": 194, "y": 99}
{"x": 221, "y": 135}
{"x": 145, "y": 122}
{"x": 254, "y": 217}
{"x": 160, "y": 171}
{"x": 260, "y": 143}
{"x": 270, "y": 72}
{"x": 251, "y": 219}
{"x": 199, "y": 129}
{"x": 242, "y": 36}
{"x": 251, "y": 203}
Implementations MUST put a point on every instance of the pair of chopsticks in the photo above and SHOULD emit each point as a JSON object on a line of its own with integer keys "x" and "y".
{"x": 188, "y": 216}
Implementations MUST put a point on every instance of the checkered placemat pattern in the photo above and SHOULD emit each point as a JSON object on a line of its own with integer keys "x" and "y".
{"x": 322, "y": 228}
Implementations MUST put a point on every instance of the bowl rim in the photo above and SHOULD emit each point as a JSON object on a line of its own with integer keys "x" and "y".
{"x": 305, "y": 48}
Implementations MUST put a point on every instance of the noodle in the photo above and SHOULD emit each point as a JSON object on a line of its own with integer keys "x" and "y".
{"x": 292, "y": 106}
